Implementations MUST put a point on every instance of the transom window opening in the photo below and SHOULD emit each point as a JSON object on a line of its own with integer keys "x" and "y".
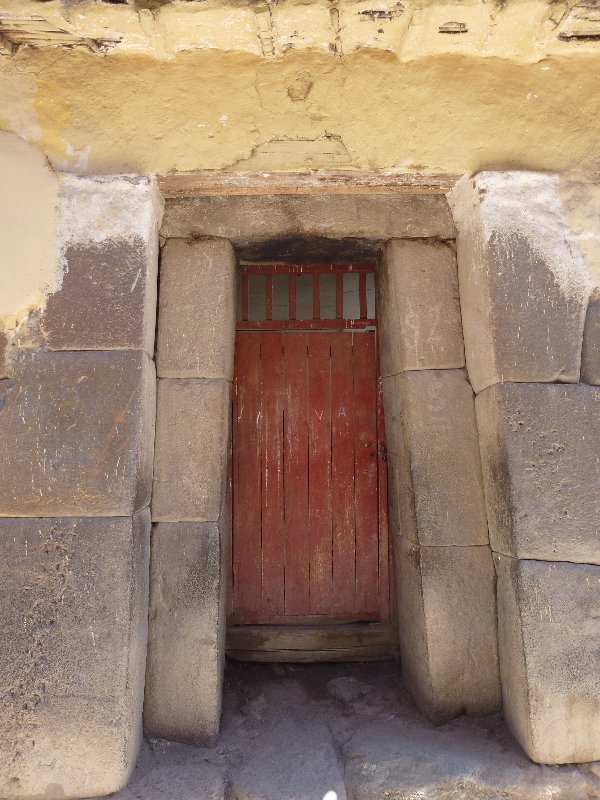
{"x": 307, "y": 296}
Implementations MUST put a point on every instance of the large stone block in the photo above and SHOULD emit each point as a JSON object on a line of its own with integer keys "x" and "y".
{"x": 418, "y": 308}
{"x": 523, "y": 282}
{"x": 247, "y": 219}
{"x": 447, "y": 622}
{"x": 196, "y": 320}
{"x": 76, "y": 434}
{"x": 193, "y": 422}
{"x": 107, "y": 265}
{"x": 549, "y": 634}
{"x": 186, "y": 651}
{"x": 590, "y": 353}
{"x": 74, "y": 599}
{"x": 435, "y": 483}
{"x": 539, "y": 446}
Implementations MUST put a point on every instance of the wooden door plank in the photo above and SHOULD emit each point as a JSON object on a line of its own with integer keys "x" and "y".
{"x": 297, "y": 556}
{"x": 310, "y": 637}
{"x": 366, "y": 653}
{"x": 273, "y": 565}
{"x": 365, "y": 466}
{"x": 319, "y": 472}
{"x": 387, "y": 585}
{"x": 247, "y": 503}
{"x": 342, "y": 473}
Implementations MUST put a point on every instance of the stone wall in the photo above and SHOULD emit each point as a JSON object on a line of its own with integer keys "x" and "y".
{"x": 446, "y": 599}
{"x": 491, "y": 392}
{"x": 190, "y": 502}
{"x": 525, "y": 290}
{"x": 76, "y": 453}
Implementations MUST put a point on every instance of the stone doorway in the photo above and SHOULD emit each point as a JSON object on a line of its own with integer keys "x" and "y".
{"x": 441, "y": 549}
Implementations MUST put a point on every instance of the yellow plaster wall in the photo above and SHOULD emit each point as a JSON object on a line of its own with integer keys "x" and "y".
{"x": 215, "y": 109}
{"x": 289, "y": 85}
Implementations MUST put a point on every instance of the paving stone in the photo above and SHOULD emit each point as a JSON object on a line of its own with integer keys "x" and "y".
{"x": 590, "y": 354}
{"x": 254, "y": 218}
{"x": 400, "y": 759}
{"x": 74, "y": 594}
{"x": 196, "y": 321}
{"x": 107, "y": 263}
{"x": 193, "y": 423}
{"x": 549, "y": 638}
{"x": 186, "y": 650}
{"x": 434, "y": 471}
{"x": 76, "y": 434}
{"x": 539, "y": 446}
{"x": 418, "y": 308}
{"x": 447, "y": 624}
{"x": 524, "y": 284}
{"x": 293, "y": 757}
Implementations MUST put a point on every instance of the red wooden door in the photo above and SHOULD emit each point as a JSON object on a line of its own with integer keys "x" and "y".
{"x": 310, "y": 541}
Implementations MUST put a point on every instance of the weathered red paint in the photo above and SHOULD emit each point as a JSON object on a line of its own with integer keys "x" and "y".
{"x": 310, "y": 540}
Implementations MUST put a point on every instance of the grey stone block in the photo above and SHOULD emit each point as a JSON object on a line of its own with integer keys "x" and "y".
{"x": 196, "y": 320}
{"x": 435, "y": 483}
{"x": 76, "y": 434}
{"x": 418, "y": 308}
{"x": 447, "y": 623}
{"x": 549, "y": 635}
{"x": 74, "y": 599}
{"x": 193, "y": 424}
{"x": 523, "y": 282}
{"x": 590, "y": 354}
{"x": 108, "y": 260}
{"x": 186, "y": 650}
{"x": 539, "y": 446}
{"x": 254, "y": 218}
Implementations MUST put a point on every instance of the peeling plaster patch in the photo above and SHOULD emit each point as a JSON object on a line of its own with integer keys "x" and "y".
{"x": 300, "y": 87}
{"x": 286, "y": 154}
{"x": 95, "y": 210}
{"x": 28, "y": 208}
{"x": 581, "y": 206}
{"x": 527, "y": 204}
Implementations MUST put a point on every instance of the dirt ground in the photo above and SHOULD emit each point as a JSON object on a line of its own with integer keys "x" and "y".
{"x": 346, "y": 732}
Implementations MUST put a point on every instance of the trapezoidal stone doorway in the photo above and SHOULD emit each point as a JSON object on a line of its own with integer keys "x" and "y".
{"x": 441, "y": 550}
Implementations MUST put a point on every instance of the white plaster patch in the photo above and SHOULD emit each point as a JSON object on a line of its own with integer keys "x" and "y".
{"x": 97, "y": 209}
{"x": 28, "y": 203}
{"x": 528, "y": 204}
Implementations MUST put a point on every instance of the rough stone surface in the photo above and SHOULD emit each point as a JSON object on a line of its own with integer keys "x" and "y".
{"x": 187, "y": 632}
{"x": 447, "y": 623}
{"x": 253, "y": 218}
{"x": 287, "y": 734}
{"x": 434, "y": 476}
{"x": 72, "y": 653}
{"x": 523, "y": 282}
{"x": 590, "y": 354}
{"x": 76, "y": 434}
{"x": 3, "y": 355}
{"x": 539, "y": 446}
{"x": 196, "y": 320}
{"x": 418, "y": 308}
{"x": 549, "y": 635}
{"x": 107, "y": 265}
{"x": 192, "y": 446}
